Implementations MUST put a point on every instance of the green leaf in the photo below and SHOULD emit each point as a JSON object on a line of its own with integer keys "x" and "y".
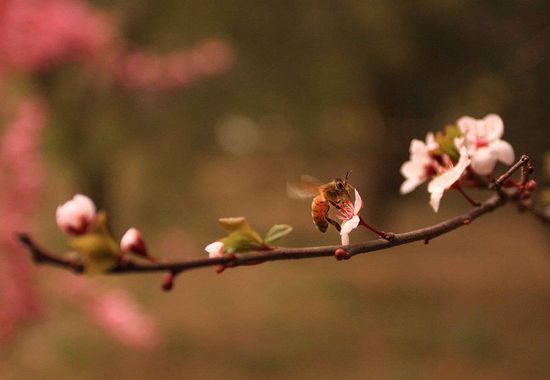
{"x": 446, "y": 141}
{"x": 240, "y": 242}
{"x": 241, "y": 237}
{"x": 99, "y": 251}
{"x": 240, "y": 226}
{"x": 234, "y": 224}
{"x": 277, "y": 232}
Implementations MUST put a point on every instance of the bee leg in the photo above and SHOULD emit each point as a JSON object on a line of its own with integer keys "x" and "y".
{"x": 334, "y": 223}
{"x": 335, "y": 205}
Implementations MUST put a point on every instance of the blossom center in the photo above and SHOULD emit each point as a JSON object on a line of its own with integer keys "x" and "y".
{"x": 346, "y": 212}
{"x": 481, "y": 141}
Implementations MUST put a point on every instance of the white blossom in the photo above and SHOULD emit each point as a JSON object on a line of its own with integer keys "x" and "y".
{"x": 482, "y": 139}
{"x": 417, "y": 169}
{"x": 350, "y": 215}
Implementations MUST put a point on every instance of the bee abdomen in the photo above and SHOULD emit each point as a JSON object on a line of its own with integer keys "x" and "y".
{"x": 319, "y": 210}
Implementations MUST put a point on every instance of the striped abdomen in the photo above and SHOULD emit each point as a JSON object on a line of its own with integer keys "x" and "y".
{"x": 319, "y": 211}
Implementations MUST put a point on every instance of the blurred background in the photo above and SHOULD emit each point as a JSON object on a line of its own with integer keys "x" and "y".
{"x": 171, "y": 114}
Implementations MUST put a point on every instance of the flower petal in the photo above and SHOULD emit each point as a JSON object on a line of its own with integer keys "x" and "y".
{"x": 417, "y": 146}
{"x": 345, "y": 239}
{"x": 411, "y": 169}
{"x": 358, "y": 203}
{"x": 466, "y": 123}
{"x": 439, "y": 184}
{"x": 504, "y": 151}
{"x": 494, "y": 127}
{"x": 410, "y": 184}
{"x": 86, "y": 205}
{"x": 484, "y": 160}
{"x": 349, "y": 225}
{"x": 435, "y": 198}
{"x": 431, "y": 144}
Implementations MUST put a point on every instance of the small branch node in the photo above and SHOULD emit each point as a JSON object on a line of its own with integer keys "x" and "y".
{"x": 341, "y": 254}
{"x": 168, "y": 283}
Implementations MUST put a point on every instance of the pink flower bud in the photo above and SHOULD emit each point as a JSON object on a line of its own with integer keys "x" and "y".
{"x": 75, "y": 216}
{"x": 133, "y": 242}
{"x": 531, "y": 185}
{"x": 214, "y": 249}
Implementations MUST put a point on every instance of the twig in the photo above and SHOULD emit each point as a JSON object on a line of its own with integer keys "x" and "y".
{"x": 41, "y": 256}
{"x": 465, "y": 195}
{"x": 523, "y": 161}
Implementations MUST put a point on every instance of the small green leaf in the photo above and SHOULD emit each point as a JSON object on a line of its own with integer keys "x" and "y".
{"x": 233, "y": 224}
{"x": 240, "y": 225}
{"x": 240, "y": 242}
{"x": 446, "y": 141}
{"x": 277, "y": 232}
{"x": 241, "y": 237}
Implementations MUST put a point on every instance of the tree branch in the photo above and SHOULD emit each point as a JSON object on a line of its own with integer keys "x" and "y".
{"x": 280, "y": 253}
{"x": 41, "y": 256}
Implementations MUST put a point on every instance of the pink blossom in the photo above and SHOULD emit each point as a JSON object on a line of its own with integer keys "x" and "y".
{"x": 77, "y": 215}
{"x": 39, "y": 34}
{"x": 482, "y": 138}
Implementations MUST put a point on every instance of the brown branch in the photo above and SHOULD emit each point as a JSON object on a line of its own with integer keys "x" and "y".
{"x": 281, "y": 253}
{"x": 523, "y": 162}
{"x": 41, "y": 256}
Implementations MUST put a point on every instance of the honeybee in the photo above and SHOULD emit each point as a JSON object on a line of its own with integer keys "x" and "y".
{"x": 333, "y": 193}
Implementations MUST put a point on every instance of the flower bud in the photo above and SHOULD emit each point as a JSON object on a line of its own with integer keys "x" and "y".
{"x": 75, "y": 216}
{"x": 214, "y": 249}
{"x": 531, "y": 185}
{"x": 133, "y": 242}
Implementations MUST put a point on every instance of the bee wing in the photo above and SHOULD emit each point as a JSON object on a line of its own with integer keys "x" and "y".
{"x": 308, "y": 187}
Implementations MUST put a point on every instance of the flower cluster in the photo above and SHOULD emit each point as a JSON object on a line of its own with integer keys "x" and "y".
{"x": 91, "y": 237}
{"x": 40, "y": 35}
{"x": 467, "y": 150}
